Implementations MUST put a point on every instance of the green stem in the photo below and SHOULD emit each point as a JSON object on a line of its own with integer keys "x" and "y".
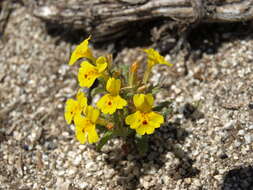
{"x": 146, "y": 75}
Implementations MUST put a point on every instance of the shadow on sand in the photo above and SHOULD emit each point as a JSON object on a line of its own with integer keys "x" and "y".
{"x": 239, "y": 178}
{"x": 132, "y": 167}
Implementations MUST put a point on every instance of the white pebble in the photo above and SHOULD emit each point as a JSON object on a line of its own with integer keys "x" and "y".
{"x": 91, "y": 166}
{"x": 77, "y": 160}
{"x": 241, "y": 132}
{"x": 83, "y": 185}
{"x": 61, "y": 172}
{"x": 197, "y": 96}
{"x": 248, "y": 138}
{"x": 229, "y": 125}
{"x": 71, "y": 171}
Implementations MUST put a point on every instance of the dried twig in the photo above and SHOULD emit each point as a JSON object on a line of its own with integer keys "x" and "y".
{"x": 5, "y": 13}
{"x": 112, "y": 18}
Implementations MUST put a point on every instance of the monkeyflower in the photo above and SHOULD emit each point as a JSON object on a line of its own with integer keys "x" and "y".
{"x": 112, "y": 101}
{"x": 125, "y": 109}
{"x": 88, "y": 73}
{"x": 86, "y": 126}
{"x": 144, "y": 120}
{"x": 82, "y": 51}
{"x": 153, "y": 58}
{"x": 74, "y": 108}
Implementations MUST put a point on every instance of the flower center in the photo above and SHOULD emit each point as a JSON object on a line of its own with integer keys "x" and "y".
{"x": 144, "y": 122}
{"x": 90, "y": 74}
{"x": 109, "y": 103}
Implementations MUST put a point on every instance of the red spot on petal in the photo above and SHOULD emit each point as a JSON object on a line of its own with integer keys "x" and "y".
{"x": 144, "y": 122}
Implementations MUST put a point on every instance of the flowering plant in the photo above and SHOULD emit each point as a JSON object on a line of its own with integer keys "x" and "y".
{"x": 126, "y": 106}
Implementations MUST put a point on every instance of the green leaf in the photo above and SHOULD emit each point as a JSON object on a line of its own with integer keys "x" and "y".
{"x": 162, "y": 105}
{"x": 101, "y": 128}
{"x": 167, "y": 111}
{"x": 107, "y": 136}
{"x": 155, "y": 90}
{"x": 97, "y": 90}
{"x": 124, "y": 67}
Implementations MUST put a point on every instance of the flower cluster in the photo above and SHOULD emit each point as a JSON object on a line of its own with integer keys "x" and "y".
{"x": 125, "y": 106}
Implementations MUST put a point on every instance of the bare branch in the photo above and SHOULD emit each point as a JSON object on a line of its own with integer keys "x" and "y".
{"x": 111, "y": 17}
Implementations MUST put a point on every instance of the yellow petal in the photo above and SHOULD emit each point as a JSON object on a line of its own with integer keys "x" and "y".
{"x": 130, "y": 119}
{"x": 85, "y": 129}
{"x": 155, "y": 117}
{"x": 154, "y": 124}
{"x": 167, "y": 63}
{"x": 68, "y": 117}
{"x": 92, "y": 135}
{"x": 81, "y": 134}
{"x": 120, "y": 102}
{"x": 149, "y": 99}
{"x": 82, "y": 100}
{"x": 81, "y": 124}
{"x": 150, "y": 64}
{"x": 80, "y": 120}
{"x": 92, "y": 114}
{"x": 140, "y": 130}
{"x": 134, "y": 120}
{"x": 101, "y": 63}
{"x": 149, "y": 129}
{"x": 155, "y": 58}
{"x": 102, "y": 101}
{"x": 143, "y": 102}
{"x": 113, "y": 86}
{"x": 71, "y": 108}
{"x": 106, "y": 104}
{"x": 138, "y": 100}
{"x": 87, "y": 74}
{"x": 81, "y": 51}
{"x": 144, "y": 123}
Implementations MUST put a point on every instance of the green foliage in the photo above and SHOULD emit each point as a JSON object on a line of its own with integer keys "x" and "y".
{"x": 107, "y": 136}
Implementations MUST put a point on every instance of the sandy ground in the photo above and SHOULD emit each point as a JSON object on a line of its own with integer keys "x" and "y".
{"x": 208, "y": 147}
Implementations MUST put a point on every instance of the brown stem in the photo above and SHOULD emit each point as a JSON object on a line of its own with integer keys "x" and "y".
{"x": 103, "y": 18}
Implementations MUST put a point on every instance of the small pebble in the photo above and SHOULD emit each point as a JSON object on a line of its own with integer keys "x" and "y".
{"x": 77, "y": 160}
{"x": 229, "y": 125}
{"x": 248, "y": 138}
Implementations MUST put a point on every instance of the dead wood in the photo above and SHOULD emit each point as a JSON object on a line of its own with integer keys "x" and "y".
{"x": 103, "y": 18}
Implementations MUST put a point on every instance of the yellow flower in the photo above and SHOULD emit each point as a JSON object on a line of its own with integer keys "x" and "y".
{"x": 112, "y": 101}
{"x": 88, "y": 73}
{"x": 86, "y": 126}
{"x": 82, "y": 51}
{"x": 155, "y": 58}
{"x": 144, "y": 120}
{"x": 75, "y": 107}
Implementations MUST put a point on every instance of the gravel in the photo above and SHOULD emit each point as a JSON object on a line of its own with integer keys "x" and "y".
{"x": 206, "y": 143}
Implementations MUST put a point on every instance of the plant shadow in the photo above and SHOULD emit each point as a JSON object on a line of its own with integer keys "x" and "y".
{"x": 238, "y": 178}
{"x": 131, "y": 166}
{"x": 206, "y": 38}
